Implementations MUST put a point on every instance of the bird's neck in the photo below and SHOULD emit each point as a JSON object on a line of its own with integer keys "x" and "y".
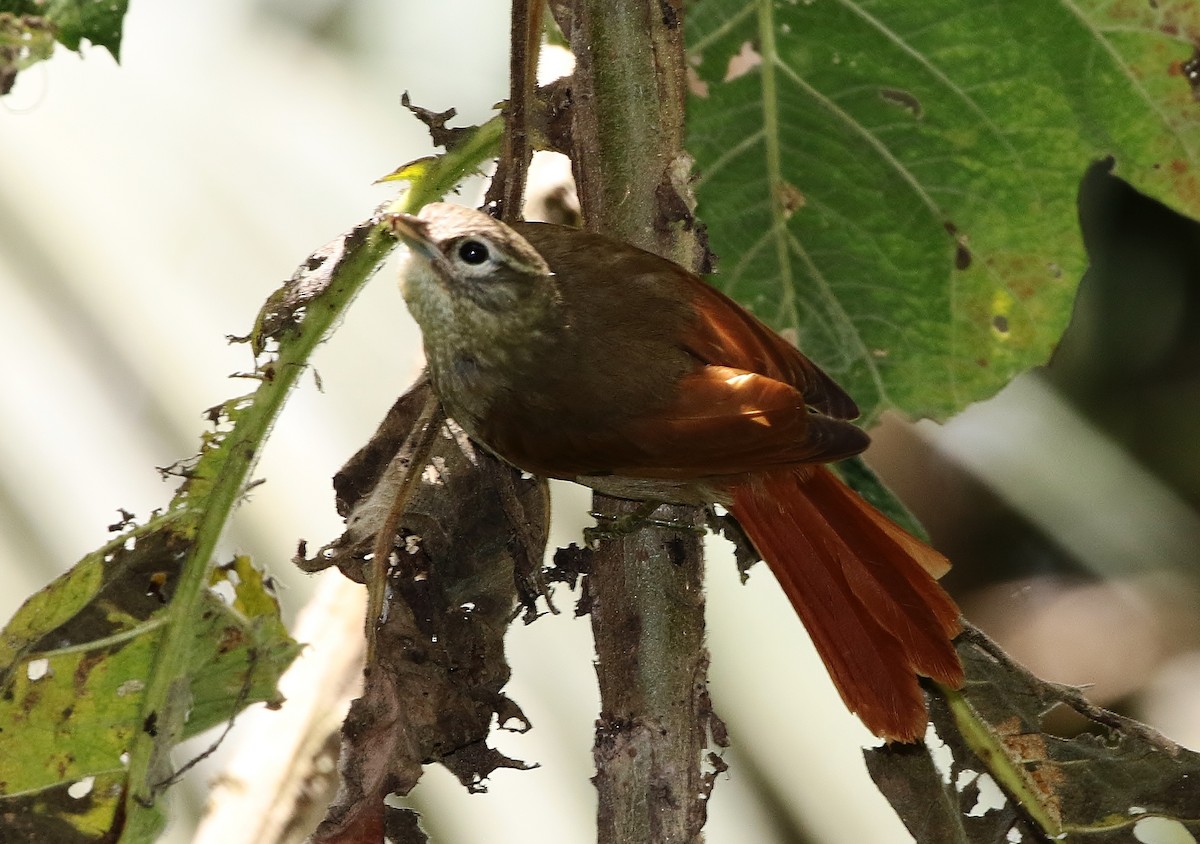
{"x": 480, "y": 357}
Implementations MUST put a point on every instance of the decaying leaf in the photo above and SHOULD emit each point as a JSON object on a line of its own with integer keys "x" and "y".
{"x": 76, "y": 659}
{"x": 467, "y": 554}
{"x": 944, "y": 805}
{"x": 1101, "y": 785}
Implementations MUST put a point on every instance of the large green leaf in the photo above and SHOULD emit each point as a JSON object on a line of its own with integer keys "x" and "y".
{"x": 894, "y": 182}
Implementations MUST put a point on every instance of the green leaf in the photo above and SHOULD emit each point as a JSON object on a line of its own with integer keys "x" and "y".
{"x": 74, "y": 20}
{"x": 68, "y": 713}
{"x": 24, "y": 40}
{"x": 894, "y": 183}
{"x": 240, "y": 650}
{"x": 29, "y": 28}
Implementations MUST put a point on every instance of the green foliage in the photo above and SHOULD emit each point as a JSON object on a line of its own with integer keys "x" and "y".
{"x": 29, "y": 28}
{"x": 74, "y": 20}
{"x": 70, "y": 711}
{"x": 894, "y": 183}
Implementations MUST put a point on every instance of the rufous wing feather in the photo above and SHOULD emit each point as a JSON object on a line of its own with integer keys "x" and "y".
{"x": 721, "y": 422}
{"x": 727, "y": 334}
{"x": 876, "y": 615}
{"x": 727, "y": 421}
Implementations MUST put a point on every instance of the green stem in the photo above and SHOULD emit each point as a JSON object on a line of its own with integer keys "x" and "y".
{"x": 433, "y": 178}
{"x": 983, "y": 743}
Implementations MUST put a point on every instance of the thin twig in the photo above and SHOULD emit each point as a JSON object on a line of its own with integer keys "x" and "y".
{"x": 416, "y": 451}
{"x": 507, "y": 190}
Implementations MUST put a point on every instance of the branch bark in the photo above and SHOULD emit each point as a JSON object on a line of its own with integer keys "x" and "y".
{"x": 506, "y": 194}
{"x": 645, "y": 590}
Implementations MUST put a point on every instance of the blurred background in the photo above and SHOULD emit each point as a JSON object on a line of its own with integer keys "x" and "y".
{"x": 147, "y": 209}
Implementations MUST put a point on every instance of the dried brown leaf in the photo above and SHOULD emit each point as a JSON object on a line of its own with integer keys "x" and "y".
{"x": 468, "y": 552}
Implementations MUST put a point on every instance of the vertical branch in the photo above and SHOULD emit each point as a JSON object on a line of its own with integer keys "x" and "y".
{"x": 628, "y": 129}
{"x": 507, "y": 190}
{"x": 647, "y": 604}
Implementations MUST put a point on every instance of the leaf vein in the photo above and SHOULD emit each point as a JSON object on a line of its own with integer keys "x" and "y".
{"x": 1134, "y": 83}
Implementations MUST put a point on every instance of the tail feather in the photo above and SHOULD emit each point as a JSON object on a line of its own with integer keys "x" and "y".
{"x": 862, "y": 587}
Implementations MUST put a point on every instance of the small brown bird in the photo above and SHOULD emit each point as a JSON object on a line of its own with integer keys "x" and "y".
{"x": 575, "y": 356}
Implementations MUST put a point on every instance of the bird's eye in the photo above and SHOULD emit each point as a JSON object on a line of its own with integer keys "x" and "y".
{"x": 473, "y": 252}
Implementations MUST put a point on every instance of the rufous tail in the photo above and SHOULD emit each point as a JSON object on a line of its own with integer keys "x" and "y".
{"x": 864, "y": 588}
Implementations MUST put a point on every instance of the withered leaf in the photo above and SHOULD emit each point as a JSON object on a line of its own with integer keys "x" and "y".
{"x": 1099, "y": 786}
{"x": 467, "y": 554}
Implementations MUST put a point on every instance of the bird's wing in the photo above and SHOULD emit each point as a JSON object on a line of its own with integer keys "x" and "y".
{"x": 728, "y": 335}
{"x": 722, "y": 422}
{"x": 727, "y": 421}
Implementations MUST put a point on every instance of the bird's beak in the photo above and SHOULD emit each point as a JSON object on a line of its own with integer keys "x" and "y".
{"x": 414, "y": 232}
